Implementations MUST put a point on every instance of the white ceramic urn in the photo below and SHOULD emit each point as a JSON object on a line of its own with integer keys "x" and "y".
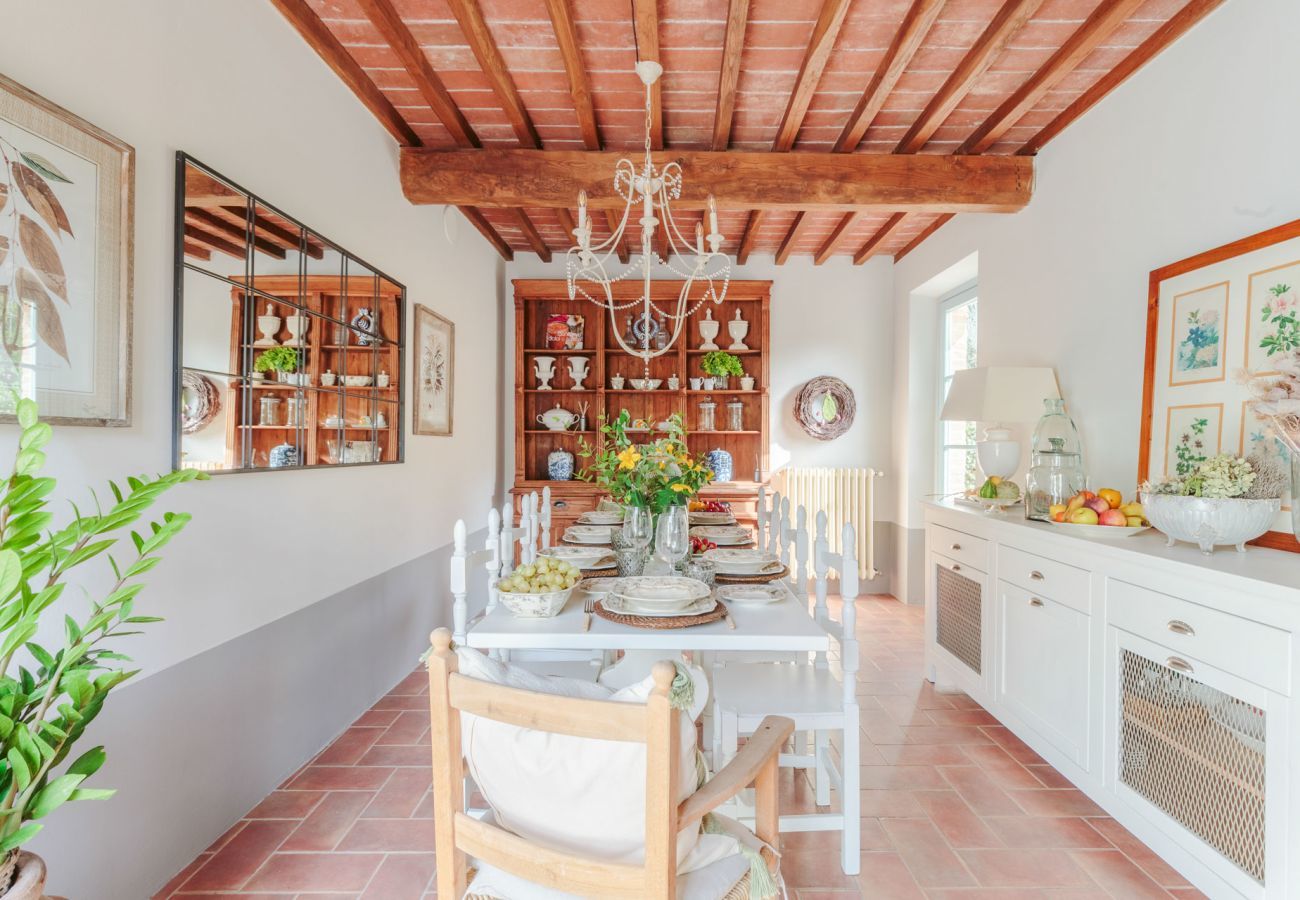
{"x": 709, "y": 330}
{"x": 738, "y": 328}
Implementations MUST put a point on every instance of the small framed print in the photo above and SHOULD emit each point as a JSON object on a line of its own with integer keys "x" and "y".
{"x": 1197, "y": 343}
{"x": 1193, "y": 434}
{"x": 434, "y": 376}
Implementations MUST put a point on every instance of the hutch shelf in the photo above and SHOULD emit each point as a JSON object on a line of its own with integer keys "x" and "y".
{"x": 538, "y": 300}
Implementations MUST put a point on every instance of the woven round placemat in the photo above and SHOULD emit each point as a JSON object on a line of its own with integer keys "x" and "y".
{"x": 573, "y": 543}
{"x": 662, "y": 621}
{"x": 761, "y": 578}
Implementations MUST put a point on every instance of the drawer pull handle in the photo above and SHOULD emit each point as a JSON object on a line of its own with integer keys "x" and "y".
{"x": 956, "y": 568}
{"x": 1178, "y": 664}
{"x": 956, "y": 546}
{"x": 1177, "y": 626}
{"x": 1034, "y": 601}
{"x": 1036, "y": 575}
{"x": 560, "y": 504}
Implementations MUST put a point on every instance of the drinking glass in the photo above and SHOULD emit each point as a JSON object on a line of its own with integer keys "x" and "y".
{"x": 672, "y": 538}
{"x": 638, "y": 527}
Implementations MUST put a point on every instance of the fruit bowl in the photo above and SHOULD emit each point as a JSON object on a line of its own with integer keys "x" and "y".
{"x": 535, "y": 606}
{"x": 1104, "y": 532}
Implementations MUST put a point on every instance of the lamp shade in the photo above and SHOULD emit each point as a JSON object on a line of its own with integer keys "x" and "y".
{"x": 999, "y": 394}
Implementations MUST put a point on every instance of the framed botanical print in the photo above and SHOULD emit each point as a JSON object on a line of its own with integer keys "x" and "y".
{"x": 1212, "y": 318}
{"x": 434, "y": 372}
{"x": 66, "y": 222}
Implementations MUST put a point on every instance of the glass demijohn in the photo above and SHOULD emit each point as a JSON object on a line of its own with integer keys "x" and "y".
{"x": 1056, "y": 462}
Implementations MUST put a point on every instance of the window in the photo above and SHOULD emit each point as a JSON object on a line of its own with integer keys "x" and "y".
{"x": 958, "y": 335}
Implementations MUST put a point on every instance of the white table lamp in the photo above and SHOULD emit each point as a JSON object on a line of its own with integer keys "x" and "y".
{"x": 998, "y": 396}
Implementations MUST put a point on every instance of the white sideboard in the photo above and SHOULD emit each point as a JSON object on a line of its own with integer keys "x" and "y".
{"x": 1158, "y": 680}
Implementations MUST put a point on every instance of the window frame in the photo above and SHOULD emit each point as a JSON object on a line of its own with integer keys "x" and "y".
{"x": 960, "y": 296}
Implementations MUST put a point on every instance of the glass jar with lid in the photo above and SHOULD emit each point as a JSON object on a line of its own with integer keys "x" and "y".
{"x": 1056, "y": 470}
{"x": 708, "y": 420}
{"x": 268, "y": 411}
{"x": 735, "y": 414}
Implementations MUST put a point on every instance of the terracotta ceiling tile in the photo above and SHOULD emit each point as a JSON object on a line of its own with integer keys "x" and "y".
{"x": 939, "y": 59}
{"x": 1159, "y": 9}
{"x": 682, "y": 60}
{"x": 1026, "y": 60}
{"x": 417, "y": 10}
{"x": 466, "y": 80}
{"x": 784, "y": 10}
{"x": 979, "y": 11}
{"x": 1067, "y": 9}
{"x": 437, "y": 34}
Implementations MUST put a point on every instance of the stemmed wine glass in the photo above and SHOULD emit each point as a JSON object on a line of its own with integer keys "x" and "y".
{"x": 672, "y": 539}
{"x": 638, "y": 527}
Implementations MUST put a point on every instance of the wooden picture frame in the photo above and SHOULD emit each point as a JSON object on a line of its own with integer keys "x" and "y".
{"x": 1239, "y": 265}
{"x": 433, "y": 373}
{"x": 70, "y": 191}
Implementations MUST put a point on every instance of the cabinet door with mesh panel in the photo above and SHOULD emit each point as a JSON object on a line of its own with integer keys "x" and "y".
{"x": 960, "y": 621}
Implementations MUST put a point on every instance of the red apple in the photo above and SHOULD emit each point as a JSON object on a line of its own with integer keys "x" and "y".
{"x": 1097, "y": 505}
{"x": 1113, "y": 517}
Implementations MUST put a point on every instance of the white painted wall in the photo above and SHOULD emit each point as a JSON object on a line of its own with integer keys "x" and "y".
{"x": 1194, "y": 151}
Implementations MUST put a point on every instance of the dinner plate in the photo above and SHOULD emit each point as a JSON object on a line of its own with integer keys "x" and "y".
{"x": 722, "y": 535}
{"x": 617, "y": 603}
{"x": 755, "y": 594}
{"x": 599, "y": 586}
{"x": 742, "y": 561}
{"x": 601, "y": 517}
{"x": 712, "y": 518}
{"x": 600, "y": 534}
{"x": 663, "y": 591}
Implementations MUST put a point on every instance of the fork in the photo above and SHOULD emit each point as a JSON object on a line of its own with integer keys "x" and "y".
{"x": 588, "y": 607}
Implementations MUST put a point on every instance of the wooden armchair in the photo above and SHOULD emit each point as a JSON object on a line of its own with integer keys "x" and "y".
{"x": 655, "y": 724}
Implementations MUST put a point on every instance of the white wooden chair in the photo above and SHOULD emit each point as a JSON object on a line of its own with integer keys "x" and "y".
{"x": 745, "y": 692}
{"x": 656, "y": 724}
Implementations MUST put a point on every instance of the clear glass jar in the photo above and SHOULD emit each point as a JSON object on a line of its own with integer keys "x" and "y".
{"x": 736, "y": 415}
{"x": 295, "y": 407}
{"x": 1056, "y": 470}
{"x": 708, "y": 420}
{"x": 268, "y": 411}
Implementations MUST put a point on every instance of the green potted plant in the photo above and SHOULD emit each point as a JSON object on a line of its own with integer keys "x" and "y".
{"x": 277, "y": 359}
{"x": 49, "y": 694}
{"x": 719, "y": 365}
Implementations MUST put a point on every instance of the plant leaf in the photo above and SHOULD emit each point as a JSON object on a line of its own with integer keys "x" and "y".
{"x": 54, "y": 795}
{"x": 88, "y": 763}
{"x": 41, "y": 198}
{"x": 43, "y": 256}
{"x": 18, "y": 765}
{"x": 49, "y": 327}
{"x": 28, "y": 412}
{"x": 4, "y": 197}
{"x": 4, "y": 248}
{"x": 20, "y": 837}
{"x": 11, "y": 571}
{"x": 91, "y": 794}
{"x": 45, "y": 167}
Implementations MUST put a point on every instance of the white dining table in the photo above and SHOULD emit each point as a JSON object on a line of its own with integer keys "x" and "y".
{"x": 782, "y": 626}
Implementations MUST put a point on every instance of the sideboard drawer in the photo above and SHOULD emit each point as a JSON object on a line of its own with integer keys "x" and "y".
{"x": 1250, "y": 650}
{"x": 964, "y": 548}
{"x": 1063, "y": 583}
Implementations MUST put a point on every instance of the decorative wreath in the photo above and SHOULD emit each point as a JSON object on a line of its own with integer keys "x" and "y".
{"x": 825, "y": 408}
{"x": 200, "y": 402}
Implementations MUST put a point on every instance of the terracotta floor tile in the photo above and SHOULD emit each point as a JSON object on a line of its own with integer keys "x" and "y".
{"x": 979, "y": 791}
{"x": 389, "y": 835}
{"x": 1002, "y": 770}
{"x": 401, "y": 876}
{"x": 231, "y": 866}
{"x": 380, "y": 718}
{"x": 1049, "y": 777}
{"x": 1061, "y": 833}
{"x": 926, "y": 854}
{"x": 903, "y": 778}
{"x": 348, "y": 747}
{"x": 1018, "y": 749}
{"x": 924, "y": 755}
{"x": 341, "y": 778}
{"x": 1118, "y": 874}
{"x": 1056, "y": 803}
{"x": 416, "y": 755}
{"x": 885, "y": 876}
{"x": 961, "y": 717}
{"x": 956, "y": 821}
{"x": 325, "y": 827}
{"x": 409, "y": 728}
{"x": 890, "y": 804}
{"x": 182, "y": 876}
{"x": 403, "y": 701}
{"x": 1025, "y": 868}
{"x": 225, "y": 837}
{"x": 316, "y": 872}
{"x": 1160, "y": 871}
{"x": 286, "y": 805}
{"x": 816, "y": 868}
{"x": 415, "y": 683}
{"x": 944, "y": 734}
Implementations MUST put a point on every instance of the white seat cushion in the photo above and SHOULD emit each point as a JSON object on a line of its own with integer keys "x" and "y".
{"x": 767, "y": 689}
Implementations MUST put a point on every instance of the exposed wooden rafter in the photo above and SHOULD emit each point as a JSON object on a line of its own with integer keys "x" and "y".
{"x": 475, "y": 29}
{"x": 733, "y": 45}
{"x": 828, "y": 246}
{"x": 645, "y": 23}
{"x": 238, "y": 233}
{"x": 1086, "y": 38}
{"x": 802, "y": 222}
{"x": 196, "y": 235}
{"x": 612, "y": 218}
{"x": 747, "y": 241}
{"x": 529, "y": 231}
{"x": 1010, "y": 17}
{"x": 825, "y": 31}
{"x": 793, "y": 181}
{"x": 872, "y": 246}
{"x": 485, "y": 228}
{"x": 566, "y": 223}
{"x": 566, "y": 35}
{"x": 930, "y": 229}
{"x": 288, "y": 238}
{"x": 194, "y": 250}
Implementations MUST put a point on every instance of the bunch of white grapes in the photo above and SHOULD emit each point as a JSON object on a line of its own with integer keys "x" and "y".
{"x": 542, "y": 577}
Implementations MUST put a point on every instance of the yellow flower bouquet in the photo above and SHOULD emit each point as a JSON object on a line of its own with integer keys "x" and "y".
{"x": 656, "y": 475}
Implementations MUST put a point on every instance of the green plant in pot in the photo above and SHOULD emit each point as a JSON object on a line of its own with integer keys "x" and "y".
{"x": 51, "y": 691}
{"x": 720, "y": 365}
{"x": 277, "y": 359}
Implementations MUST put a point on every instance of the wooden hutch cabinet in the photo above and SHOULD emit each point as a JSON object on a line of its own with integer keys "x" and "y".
{"x": 538, "y": 300}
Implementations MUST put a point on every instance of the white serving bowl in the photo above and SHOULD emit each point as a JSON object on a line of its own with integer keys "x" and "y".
{"x": 1209, "y": 523}
{"x": 357, "y": 380}
{"x": 646, "y": 384}
{"x": 535, "y": 606}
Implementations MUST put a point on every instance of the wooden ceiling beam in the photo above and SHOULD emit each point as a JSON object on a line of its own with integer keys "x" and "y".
{"x": 1178, "y": 25}
{"x": 239, "y": 233}
{"x": 1087, "y": 37}
{"x": 930, "y": 229}
{"x": 820, "y": 45}
{"x": 802, "y": 221}
{"x": 389, "y": 22}
{"x": 194, "y": 250}
{"x": 566, "y": 35}
{"x": 485, "y": 228}
{"x": 336, "y": 56}
{"x": 475, "y": 28}
{"x": 272, "y": 231}
{"x": 645, "y": 23}
{"x": 750, "y": 237}
{"x": 566, "y": 223}
{"x": 612, "y": 219}
{"x": 733, "y": 45}
{"x": 1009, "y": 18}
{"x": 841, "y": 228}
{"x": 872, "y": 246}
{"x": 907, "y": 40}
{"x": 196, "y": 235}
{"x": 793, "y": 181}
{"x": 531, "y": 235}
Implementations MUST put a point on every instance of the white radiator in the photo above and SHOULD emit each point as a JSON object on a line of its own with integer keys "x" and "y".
{"x": 845, "y": 495}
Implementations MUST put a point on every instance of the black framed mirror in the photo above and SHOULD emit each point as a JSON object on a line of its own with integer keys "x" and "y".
{"x": 289, "y": 350}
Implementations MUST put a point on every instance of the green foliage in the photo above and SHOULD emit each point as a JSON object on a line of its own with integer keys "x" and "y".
{"x": 656, "y": 475}
{"x": 720, "y": 363}
{"x": 277, "y": 359}
{"x": 48, "y": 694}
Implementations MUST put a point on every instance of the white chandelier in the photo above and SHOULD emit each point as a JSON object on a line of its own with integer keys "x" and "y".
{"x": 587, "y": 266}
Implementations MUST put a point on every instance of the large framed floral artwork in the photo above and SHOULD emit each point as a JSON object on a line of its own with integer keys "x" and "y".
{"x": 1214, "y": 320}
{"x": 66, "y": 195}
{"x": 434, "y": 363}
